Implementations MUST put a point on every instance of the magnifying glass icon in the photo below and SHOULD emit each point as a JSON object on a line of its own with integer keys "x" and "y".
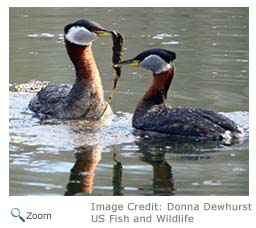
{"x": 15, "y": 212}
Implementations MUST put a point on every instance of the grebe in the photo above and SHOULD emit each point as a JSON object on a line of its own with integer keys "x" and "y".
{"x": 153, "y": 114}
{"x": 85, "y": 98}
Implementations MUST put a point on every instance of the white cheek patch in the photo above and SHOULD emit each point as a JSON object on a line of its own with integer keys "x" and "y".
{"x": 164, "y": 67}
{"x": 156, "y": 64}
{"x": 80, "y": 35}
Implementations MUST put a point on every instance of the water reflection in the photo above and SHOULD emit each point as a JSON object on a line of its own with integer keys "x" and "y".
{"x": 178, "y": 148}
{"x": 160, "y": 151}
{"x": 81, "y": 180}
{"x": 117, "y": 180}
{"x": 162, "y": 177}
{"x": 156, "y": 152}
{"x": 82, "y": 174}
{"x": 163, "y": 182}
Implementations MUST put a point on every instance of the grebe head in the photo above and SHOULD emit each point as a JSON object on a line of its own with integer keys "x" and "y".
{"x": 157, "y": 60}
{"x": 84, "y": 32}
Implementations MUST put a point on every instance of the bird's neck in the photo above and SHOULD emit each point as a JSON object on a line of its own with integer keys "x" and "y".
{"x": 84, "y": 63}
{"x": 157, "y": 92}
{"x": 155, "y": 95}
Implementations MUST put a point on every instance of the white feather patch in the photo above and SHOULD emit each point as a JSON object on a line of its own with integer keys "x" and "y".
{"x": 155, "y": 63}
{"x": 80, "y": 35}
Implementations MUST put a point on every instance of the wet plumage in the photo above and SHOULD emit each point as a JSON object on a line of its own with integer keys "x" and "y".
{"x": 85, "y": 98}
{"x": 155, "y": 115}
{"x": 184, "y": 122}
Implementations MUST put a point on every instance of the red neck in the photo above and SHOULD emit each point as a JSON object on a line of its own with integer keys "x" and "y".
{"x": 157, "y": 92}
{"x": 83, "y": 60}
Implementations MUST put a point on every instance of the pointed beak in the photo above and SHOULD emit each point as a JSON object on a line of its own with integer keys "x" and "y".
{"x": 104, "y": 33}
{"x": 128, "y": 62}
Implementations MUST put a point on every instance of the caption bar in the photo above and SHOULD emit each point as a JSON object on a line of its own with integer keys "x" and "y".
{"x": 158, "y": 212}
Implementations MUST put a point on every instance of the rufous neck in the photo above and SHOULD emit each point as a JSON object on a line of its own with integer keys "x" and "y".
{"x": 83, "y": 60}
{"x": 157, "y": 92}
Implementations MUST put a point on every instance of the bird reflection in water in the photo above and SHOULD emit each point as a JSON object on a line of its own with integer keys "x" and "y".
{"x": 117, "y": 182}
{"x": 163, "y": 182}
{"x": 176, "y": 148}
{"x": 153, "y": 150}
{"x": 81, "y": 178}
{"x": 82, "y": 174}
{"x": 160, "y": 151}
{"x": 162, "y": 171}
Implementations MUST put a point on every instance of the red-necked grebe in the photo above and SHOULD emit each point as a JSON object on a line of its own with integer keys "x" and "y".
{"x": 85, "y": 98}
{"x": 155, "y": 115}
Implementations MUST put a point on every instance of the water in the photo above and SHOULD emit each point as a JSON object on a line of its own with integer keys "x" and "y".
{"x": 105, "y": 158}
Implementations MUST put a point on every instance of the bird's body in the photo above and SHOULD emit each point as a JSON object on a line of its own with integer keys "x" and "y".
{"x": 155, "y": 115}
{"x": 85, "y": 98}
{"x": 185, "y": 122}
{"x": 68, "y": 102}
